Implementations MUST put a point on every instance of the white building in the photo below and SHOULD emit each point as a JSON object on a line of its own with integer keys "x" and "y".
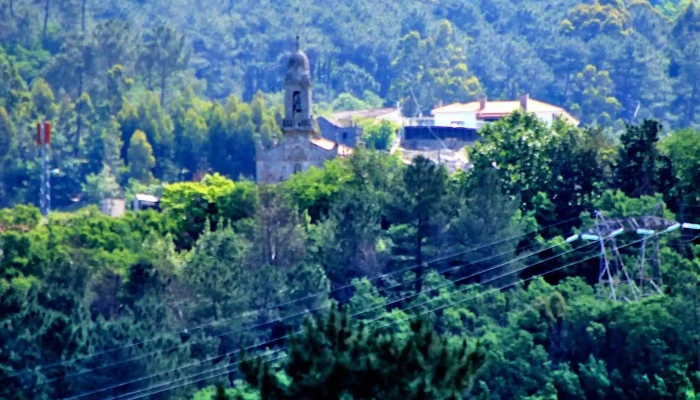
{"x": 144, "y": 201}
{"x": 113, "y": 207}
{"x": 477, "y": 113}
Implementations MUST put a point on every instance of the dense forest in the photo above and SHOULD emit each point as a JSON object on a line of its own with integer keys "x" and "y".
{"x": 369, "y": 278}
{"x": 148, "y": 91}
{"x": 449, "y": 286}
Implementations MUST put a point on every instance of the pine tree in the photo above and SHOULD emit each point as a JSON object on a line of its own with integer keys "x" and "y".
{"x": 221, "y": 393}
{"x": 639, "y": 160}
{"x": 419, "y": 205}
{"x": 334, "y": 357}
{"x": 140, "y": 157}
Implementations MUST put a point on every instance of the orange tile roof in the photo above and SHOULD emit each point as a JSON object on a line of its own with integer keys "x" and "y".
{"x": 496, "y": 108}
{"x": 327, "y": 144}
{"x": 323, "y": 143}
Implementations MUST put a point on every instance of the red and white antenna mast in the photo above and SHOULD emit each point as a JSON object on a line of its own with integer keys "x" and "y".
{"x": 43, "y": 140}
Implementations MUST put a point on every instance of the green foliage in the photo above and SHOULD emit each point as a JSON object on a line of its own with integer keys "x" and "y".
{"x": 314, "y": 190}
{"x": 140, "y": 158}
{"x": 221, "y": 249}
{"x": 639, "y": 161}
{"x": 167, "y": 73}
{"x": 681, "y": 148}
{"x": 331, "y": 358}
{"x": 173, "y": 99}
{"x": 215, "y": 269}
{"x": 348, "y": 102}
{"x": 521, "y": 147}
{"x": 212, "y": 202}
{"x": 380, "y": 136}
{"x": 102, "y": 186}
{"x": 594, "y": 92}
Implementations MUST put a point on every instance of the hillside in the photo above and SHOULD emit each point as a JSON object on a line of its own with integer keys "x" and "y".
{"x": 473, "y": 283}
{"x": 563, "y": 264}
{"x": 185, "y": 73}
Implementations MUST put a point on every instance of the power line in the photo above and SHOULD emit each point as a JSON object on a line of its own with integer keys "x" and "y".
{"x": 394, "y": 286}
{"x": 476, "y": 262}
{"x": 286, "y": 318}
{"x": 430, "y": 129}
{"x": 392, "y": 323}
{"x": 353, "y": 315}
{"x": 255, "y": 312}
{"x": 402, "y": 299}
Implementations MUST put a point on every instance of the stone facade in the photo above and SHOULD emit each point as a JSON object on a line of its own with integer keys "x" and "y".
{"x": 295, "y": 154}
{"x": 298, "y": 149}
{"x": 345, "y": 135}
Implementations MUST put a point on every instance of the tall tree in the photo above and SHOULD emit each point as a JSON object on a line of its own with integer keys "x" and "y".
{"x": 165, "y": 53}
{"x": 334, "y": 358}
{"x": 639, "y": 160}
{"x": 419, "y": 203}
{"x": 114, "y": 41}
{"x": 349, "y": 237}
{"x": 140, "y": 158}
{"x": 47, "y": 7}
{"x": 279, "y": 231}
{"x": 683, "y": 150}
{"x": 520, "y": 146}
{"x": 484, "y": 215}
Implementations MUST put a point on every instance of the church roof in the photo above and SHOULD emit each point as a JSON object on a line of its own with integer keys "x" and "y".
{"x": 298, "y": 62}
{"x": 327, "y": 144}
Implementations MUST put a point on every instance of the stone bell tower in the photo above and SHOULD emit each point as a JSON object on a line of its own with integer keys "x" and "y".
{"x": 297, "y": 97}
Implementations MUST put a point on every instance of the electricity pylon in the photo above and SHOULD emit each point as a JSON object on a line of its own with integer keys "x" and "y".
{"x": 641, "y": 277}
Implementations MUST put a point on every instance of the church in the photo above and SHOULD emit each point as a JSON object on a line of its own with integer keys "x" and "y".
{"x": 299, "y": 148}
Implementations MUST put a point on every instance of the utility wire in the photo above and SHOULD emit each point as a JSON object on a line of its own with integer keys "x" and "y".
{"x": 359, "y": 313}
{"x": 255, "y": 312}
{"x": 306, "y": 312}
{"x": 277, "y": 320}
{"x": 301, "y": 314}
{"x": 391, "y": 323}
{"x": 353, "y": 315}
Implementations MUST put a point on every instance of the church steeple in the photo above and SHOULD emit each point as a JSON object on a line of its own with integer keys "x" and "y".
{"x": 297, "y": 97}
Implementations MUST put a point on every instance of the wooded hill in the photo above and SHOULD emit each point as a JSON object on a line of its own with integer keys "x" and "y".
{"x": 440, "y": 275}
{"x": 185, "y": 73}
{"x": 459, "y": 286}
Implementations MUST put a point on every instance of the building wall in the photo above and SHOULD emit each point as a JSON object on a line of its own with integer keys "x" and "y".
{"x": 470, "y": 121}
{"x": 296, "y": 153}
{"x": 547, "y": 118}
{"x": 427, "y": 144}
{"x": 113, "y": 207}
{"x": 446, "y": 119}
{"x": 347, "y": 136}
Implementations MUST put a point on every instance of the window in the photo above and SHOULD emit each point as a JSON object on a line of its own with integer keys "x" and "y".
{"x": 345, "y": 136}
{"x": 297, "y": 168}
{"x": 296, "y": 101}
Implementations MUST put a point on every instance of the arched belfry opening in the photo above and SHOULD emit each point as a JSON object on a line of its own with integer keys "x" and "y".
{"x": 298, "y": 150}
{"x": 297, "y": 87}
